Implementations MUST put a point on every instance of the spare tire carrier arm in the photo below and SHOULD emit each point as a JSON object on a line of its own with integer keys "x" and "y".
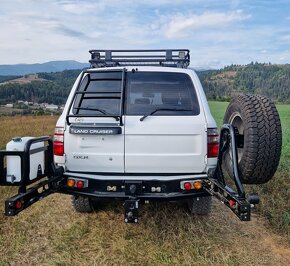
{"x": 216, "y": 185}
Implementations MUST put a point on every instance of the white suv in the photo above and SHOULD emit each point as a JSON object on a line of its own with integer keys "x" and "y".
{"x": 137, "y": 127}
{"x": 146, "y": 125}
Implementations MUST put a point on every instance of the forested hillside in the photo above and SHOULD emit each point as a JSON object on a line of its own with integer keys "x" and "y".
{"x": 7, "y": 78}
{"x": 54, "y": 89}
{"x": 266, "y": 79}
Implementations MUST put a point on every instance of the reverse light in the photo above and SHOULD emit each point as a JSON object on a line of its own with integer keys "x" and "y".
{"x": 58, "y": 141}
{"x": 212, "y": 142}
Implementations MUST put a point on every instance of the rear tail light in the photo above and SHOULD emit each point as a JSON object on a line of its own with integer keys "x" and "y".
{"x": 191, "y": 184}
{"x": 77, "y": 183}
{"x": 71, "y": 182}
{"x": 212, "y": 142}
{"x": 18, "y": 204}
{"x": 187, "y": 186}
{"x": 80, "y": 184}
{"x": 58, "y": 141}
{"x": 197, "y": 185}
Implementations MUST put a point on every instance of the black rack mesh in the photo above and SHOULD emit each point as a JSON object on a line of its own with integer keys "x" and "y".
{"x": 167, "y": 58}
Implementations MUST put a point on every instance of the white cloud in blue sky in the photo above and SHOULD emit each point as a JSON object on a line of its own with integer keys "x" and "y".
{"x": 218, "y": 33}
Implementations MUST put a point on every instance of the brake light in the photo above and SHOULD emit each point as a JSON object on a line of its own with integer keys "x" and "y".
{"x": 77, "y": 183}
{"x": 187, "y": 186}
{"x": 80, "y": 184}
{"x": 191, "y": 184}
{"x": 18, "y": 204}
{"x": 212, "y": 142}
{"x": 58, "y": 141}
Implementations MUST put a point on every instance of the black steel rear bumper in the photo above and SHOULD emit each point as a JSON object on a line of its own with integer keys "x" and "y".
{"x": 127, "y": 189}
{"x": 132, "y": 191}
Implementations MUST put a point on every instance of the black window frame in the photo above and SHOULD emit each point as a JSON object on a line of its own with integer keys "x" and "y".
{"x": 118, "y": 117}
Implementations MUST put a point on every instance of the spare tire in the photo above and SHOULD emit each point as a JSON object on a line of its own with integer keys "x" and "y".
{"x": 257, "y": 119}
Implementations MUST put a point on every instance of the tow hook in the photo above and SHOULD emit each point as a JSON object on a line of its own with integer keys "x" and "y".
{"x": 131, "y": 211}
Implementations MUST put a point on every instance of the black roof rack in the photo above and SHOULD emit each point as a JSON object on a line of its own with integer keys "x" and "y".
{"x": 164, "y": 57}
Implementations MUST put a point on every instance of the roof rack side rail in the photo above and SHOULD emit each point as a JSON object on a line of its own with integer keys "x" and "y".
{"x": 161, "y": 57}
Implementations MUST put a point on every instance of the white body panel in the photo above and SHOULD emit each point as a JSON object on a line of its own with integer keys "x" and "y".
{"x": 14, "y": 162}
{"x": 95, "y": 153}
{"x": 159, "y": 144}
{"x": 165, "y": 144}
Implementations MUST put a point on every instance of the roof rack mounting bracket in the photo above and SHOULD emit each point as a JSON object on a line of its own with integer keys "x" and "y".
{"x": 168, "y": 55}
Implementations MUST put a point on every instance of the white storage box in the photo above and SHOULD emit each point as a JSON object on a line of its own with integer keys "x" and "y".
{"x": 14, "y": 162}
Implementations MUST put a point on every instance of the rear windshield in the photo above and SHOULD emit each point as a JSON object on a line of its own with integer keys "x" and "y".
{"x": 148, "y": 91}
{"x": 99, "y": 94}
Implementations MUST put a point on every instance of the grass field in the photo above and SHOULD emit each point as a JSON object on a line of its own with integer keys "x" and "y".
{"x": 51, "y": 233}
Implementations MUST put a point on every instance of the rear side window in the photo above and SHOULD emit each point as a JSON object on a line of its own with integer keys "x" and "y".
{"x": 99, "y": 94}
{"x": 148, "y": 91}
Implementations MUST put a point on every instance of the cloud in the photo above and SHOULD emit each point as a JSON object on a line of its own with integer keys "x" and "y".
{"x": 69, "y": 32}
{"x": 285, "y": 38}
{"x": 180, "y": 25}
{"x": 217, "y": 33}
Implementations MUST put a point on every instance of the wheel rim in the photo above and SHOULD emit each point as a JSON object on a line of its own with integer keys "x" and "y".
{"x": 237, "y": 121}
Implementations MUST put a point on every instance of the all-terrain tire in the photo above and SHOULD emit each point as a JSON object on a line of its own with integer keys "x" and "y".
{"x": 82, "y": 204}
{"x": 200, "y": 205}
{"x": 255, "y": 117}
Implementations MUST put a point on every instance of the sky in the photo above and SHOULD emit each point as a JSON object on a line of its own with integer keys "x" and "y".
{"x": 218, "y": 33}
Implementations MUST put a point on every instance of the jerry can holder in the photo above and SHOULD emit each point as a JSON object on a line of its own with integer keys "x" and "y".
{"x": 28, "y": 195}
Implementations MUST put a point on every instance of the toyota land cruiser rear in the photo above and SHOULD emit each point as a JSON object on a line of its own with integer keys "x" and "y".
{"x": 137, "y": 127}
{"x": 146, "y": 126}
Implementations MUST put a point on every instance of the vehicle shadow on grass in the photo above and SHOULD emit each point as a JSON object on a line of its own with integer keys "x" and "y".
{"x": 163, "y": 216}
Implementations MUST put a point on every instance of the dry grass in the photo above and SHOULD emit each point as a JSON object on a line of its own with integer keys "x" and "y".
{"x": 24, "y": 80}
{"x": 8, "y": 110}
{"x": 51, "y": 233}
{"x": 25, "y": 126}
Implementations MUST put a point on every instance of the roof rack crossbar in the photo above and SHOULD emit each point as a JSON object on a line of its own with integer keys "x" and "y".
{"x": 161, "y": 57}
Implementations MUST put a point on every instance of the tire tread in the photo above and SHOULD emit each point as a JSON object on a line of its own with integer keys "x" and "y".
{"x": 262, "y": 137}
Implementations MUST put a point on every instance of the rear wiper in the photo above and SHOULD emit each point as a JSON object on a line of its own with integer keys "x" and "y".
{"x": 98, "y": 110}
{"x": 162, "y": 109}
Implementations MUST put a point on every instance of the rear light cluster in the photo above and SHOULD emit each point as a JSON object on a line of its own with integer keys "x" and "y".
{"x": 58, "y": 141}
{"x": 18, "y": 204}
{"x": 191, "y": 184}
{"x": 77, "y": 183}
{"x": 212, "y": 142}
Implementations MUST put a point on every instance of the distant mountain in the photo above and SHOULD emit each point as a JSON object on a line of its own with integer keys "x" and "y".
{"x": 52, "y": 66}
